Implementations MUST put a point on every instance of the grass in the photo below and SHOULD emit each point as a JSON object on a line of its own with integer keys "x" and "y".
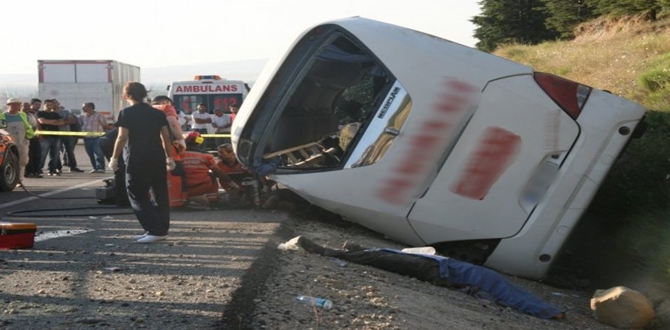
{"x": 632, "y": 61}
{"x": 614, "y": 64}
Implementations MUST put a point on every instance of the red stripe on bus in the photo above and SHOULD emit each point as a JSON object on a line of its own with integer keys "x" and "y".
{"x": 495, "y": 152}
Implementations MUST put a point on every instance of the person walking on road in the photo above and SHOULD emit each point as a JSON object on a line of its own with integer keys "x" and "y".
{"x": 91, "y": 121}
{"x": 145, "y": 140}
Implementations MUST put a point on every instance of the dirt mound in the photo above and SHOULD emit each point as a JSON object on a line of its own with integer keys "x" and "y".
{"x": 603, "y": 28}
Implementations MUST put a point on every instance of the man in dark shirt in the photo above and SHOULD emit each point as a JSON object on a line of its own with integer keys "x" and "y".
{"x": 50, "y": 121}
{"x": 67, "y": 142}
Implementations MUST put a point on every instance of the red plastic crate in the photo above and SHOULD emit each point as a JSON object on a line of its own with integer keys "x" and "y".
{"x": 17, "y": 235}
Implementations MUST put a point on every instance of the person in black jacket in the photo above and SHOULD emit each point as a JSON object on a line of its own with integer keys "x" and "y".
{"x": 145, "y": 140}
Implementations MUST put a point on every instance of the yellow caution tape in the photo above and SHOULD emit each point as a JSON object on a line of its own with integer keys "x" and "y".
{"x": 68, "y": 133}
{"x": 213, "y": 135}
{"x": 95, "y": 134}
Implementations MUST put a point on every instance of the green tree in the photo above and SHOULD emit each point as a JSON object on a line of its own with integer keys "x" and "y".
{"x": 564, "y": 15}
{"x": 511, "y": 21}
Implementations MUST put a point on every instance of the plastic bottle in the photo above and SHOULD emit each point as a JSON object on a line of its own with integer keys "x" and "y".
{"x": 313, "y": 301}
{"x": 420, "y": 250}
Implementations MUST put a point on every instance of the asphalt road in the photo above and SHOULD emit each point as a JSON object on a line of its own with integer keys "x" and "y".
{"x": 78, "y": 239}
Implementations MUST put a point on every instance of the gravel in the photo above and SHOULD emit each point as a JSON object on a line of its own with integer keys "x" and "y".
{"x": 368, "y": 298}
{"x": 222, "y": 269}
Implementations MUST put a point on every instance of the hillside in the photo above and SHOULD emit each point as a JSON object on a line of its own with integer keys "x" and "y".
{"x": 610, "y": 54}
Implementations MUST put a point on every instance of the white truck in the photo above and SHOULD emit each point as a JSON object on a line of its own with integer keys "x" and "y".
{"x": 73, "y": 82}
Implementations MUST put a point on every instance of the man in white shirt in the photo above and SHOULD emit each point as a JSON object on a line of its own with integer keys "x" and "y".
{"x": 221, "y": 123}
{"x": 92, "y": 121}
{"x": 201, "y": 119}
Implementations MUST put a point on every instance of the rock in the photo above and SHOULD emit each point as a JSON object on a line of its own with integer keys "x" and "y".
{"x": 622, "y": 307}
{"x": 89, "y": 320}
{"x": 662, "y": 313}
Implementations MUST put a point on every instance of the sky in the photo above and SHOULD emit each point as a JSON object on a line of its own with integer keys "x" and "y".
{"x": 152, "y": 33}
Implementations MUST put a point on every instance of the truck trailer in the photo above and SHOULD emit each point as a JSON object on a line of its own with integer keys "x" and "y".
{"x": 73, "y": 82}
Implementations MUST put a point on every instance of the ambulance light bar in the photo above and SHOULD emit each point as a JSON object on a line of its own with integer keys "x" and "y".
{"x": 204, "y": 77}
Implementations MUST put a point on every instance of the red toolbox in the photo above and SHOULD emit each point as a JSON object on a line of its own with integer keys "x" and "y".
{"x": 17, "y": 235}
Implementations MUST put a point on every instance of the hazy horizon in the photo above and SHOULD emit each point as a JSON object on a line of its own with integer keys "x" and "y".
{"x": 26, "y": 85}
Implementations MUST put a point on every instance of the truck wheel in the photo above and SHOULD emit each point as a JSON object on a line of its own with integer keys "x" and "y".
{"x": 9, "y": 173}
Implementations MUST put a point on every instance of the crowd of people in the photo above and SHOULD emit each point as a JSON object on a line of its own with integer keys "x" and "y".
{"x": 219, "y": 121}
{"x": 145, "y": 148}
{"x": 51, "y": 152}
{"x": 52, "y": 122}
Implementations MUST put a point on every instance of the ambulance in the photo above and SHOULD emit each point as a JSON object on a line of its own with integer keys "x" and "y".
{"x": 434, "y": 143}
{"x": 217, "y": 93}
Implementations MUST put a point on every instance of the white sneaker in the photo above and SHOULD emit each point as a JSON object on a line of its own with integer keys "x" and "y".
{"x": 141, "y": 236}
{"x": 151, "y": 238}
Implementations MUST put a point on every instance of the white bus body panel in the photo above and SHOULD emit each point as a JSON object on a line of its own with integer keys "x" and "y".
{"x": 498, "y": 213}
{"x": 422, "y": 203}
{"x": 593, "y": 154}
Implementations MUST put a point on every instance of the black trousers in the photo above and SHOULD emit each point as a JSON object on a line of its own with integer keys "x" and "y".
{"x": 152, "y": 213}
{"x": 68, "y": 143}
{"x": 34, "y": 155}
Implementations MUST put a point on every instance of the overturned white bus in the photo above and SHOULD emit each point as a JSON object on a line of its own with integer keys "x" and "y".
{"x": 434, "y": 143}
